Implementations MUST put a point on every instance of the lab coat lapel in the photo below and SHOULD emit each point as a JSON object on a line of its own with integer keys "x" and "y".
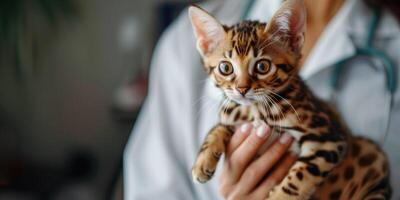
{"x": 347, "y": 29}
{"x": 334, "y": 43}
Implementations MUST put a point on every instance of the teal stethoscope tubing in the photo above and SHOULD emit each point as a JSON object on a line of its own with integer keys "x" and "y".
{"x": 372, "y": 52}
{"x": 368, "y": 50}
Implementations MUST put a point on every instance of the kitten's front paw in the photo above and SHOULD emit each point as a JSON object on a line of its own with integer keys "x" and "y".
{"x": 282, "y": 193}
{"x": 206, "y": 163}
{"x": 276, "y": 195}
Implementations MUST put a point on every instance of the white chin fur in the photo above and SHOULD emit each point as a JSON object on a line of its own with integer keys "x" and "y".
{"x": 238, "y": 98}
{"x": 243, "y": 101}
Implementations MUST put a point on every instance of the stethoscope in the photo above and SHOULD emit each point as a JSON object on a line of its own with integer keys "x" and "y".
{"x": 367, "y": 50}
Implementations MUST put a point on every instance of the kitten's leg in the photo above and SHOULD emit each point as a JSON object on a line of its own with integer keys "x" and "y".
{"x": 363, "y": 174}
{"x": 315, "y": 162}
{"x": 210, "y": 152}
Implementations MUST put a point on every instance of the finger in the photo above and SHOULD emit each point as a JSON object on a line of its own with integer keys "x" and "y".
{"x": 261, "y": 166}
{"x": 247, "y": 150}
{"x": 276, "y": 176}
{"x": 238, "y": 137}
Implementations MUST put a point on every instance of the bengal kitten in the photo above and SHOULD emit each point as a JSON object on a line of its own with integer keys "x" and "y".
{"x": 256, "y": 66}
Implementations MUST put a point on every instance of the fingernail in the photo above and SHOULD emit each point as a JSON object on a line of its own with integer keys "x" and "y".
{"x": 245, "y": 128}
{"x": 285, "y": 138}
{"x": 262, "y": 130}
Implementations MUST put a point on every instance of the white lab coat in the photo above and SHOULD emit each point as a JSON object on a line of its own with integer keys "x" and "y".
{"x": 181, "y": 106}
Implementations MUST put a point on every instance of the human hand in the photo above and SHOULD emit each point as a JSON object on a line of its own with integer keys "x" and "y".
{"x": 246, "y": 177}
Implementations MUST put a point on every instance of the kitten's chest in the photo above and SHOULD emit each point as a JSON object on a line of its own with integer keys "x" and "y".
{"x": 273, "y": 115}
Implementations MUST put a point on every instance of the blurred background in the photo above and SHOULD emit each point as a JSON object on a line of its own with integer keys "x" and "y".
{"x": 73, "y": 75}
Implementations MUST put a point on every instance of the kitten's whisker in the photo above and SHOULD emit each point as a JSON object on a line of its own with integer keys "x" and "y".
{"x": 280, "y": 113}
{"x": 223, "y": 106}
{"x": 219, "y": 106}
{"x": 204, "y": 80}
{"x": 267, "y": 104}
{"x": 264, "y": 107}
{"x": 204, "y": 105}
{"x": 295, "y": 111}
{"x": 215, "y": 106}
{"x": 271, "y": 106}
{"x": 260, "y": 99}
{"x": 279, "y": 110}
{"x": 204, "y": 97}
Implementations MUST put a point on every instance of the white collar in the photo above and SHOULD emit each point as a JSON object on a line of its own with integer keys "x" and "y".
{"x": 346, "y": 29}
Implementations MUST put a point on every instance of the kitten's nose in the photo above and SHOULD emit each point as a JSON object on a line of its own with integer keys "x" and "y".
{"x": 243, "y": 90}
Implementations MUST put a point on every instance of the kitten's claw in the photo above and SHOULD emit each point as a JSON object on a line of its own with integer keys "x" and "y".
{"x": 201, "y": 174}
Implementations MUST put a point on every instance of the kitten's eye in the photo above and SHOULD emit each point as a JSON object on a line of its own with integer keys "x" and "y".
{"x": 262, "y": 66}
{"x": 225, "y": 68}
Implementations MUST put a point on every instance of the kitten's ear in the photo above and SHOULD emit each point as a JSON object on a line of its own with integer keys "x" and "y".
{"x": 208, "y": 31}
{"x": 288, "y": 25}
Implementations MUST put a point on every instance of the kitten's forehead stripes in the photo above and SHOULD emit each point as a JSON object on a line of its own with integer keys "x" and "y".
{"x": 228, "y": 54}
{"x": 250, "y": 39}
{"x": 244, "y": 37}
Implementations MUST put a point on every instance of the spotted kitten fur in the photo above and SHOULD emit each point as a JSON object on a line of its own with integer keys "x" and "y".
{"x": 256, "y": 65}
